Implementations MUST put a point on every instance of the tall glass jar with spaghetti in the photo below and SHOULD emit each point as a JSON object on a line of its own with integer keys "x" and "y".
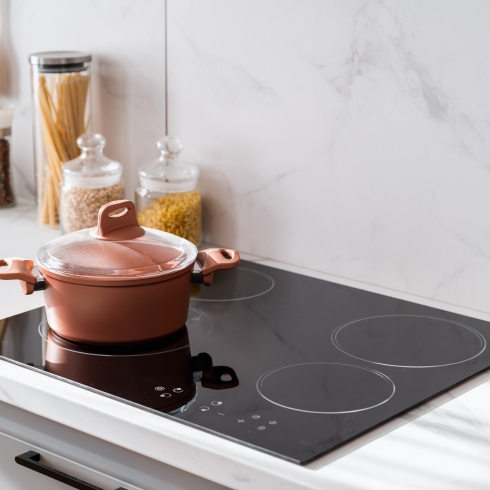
{"x": 166, "y": 196}
{"x": 62, "y": 112}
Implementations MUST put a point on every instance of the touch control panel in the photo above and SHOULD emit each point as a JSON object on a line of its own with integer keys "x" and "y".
{"x": 217, "y": 408}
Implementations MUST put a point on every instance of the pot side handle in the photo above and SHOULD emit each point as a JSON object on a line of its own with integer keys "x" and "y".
{"x": 19, "y": 269}
{"x": 213, "y": 259}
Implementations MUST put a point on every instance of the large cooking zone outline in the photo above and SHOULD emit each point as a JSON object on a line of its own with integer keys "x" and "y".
{"x": 379, "y": 334}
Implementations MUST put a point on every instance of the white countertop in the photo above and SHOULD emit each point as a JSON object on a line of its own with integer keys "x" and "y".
{"x": 444, "y": 444}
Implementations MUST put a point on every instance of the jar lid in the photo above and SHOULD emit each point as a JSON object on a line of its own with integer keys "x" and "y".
{"x": 168, "y": 174}
{"x": 59, "y": 58}
{"x": 117, "y": 250}
{"x": 92, "y": 169}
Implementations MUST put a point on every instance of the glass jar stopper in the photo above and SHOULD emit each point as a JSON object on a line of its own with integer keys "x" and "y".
{"x": 92, "y": 168}
{"x": 170, "y": 147}
{"x": 168, "y": 174}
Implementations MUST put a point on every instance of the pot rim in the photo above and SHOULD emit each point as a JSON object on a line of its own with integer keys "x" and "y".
{"x": 115, "y": 282}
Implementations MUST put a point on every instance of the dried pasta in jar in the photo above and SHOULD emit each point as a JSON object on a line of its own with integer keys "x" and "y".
{"x": 62, "y": 112}
{"x": 179, "y": 214}
{"x": 166, "y": 197}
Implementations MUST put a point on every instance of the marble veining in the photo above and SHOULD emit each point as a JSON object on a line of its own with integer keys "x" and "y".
{"x": 347, "y": 137}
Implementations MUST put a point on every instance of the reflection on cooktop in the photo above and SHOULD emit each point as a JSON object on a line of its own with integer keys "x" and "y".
{"x": 326, "y": 388}
{"x": 237, "y": 284}
{"x": 409, "y": 341}
{"x": 160, "y": 374}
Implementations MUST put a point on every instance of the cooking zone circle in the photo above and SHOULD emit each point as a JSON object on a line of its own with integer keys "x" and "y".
{"x": 235, "y": 285}
{"x": 199, "y": 326}
{"x": 326, "y": 388}
{"x": 409, "y": 341}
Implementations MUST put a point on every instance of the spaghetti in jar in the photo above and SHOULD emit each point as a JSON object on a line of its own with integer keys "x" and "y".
{"x": 62, "y": 112}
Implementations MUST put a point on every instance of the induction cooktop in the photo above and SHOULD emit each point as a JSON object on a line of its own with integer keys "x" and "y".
{"x": 318, "y": 363}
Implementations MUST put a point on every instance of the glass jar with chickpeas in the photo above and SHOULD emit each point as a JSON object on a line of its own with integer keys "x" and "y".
{"x": 166, "y": 196}
{"x": 88, "y": 182}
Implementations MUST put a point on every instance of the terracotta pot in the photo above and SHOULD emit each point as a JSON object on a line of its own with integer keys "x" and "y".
{"x": 118, "y": 283}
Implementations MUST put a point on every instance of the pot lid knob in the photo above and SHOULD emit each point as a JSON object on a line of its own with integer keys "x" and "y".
{"x": 121, "y": 226}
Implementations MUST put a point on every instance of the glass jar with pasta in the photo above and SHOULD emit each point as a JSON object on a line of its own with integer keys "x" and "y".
{"x": 61, "y": 100}
{"x": 166, "y": 197}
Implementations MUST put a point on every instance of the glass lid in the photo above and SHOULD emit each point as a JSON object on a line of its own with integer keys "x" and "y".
{"x": 118, "y": 249}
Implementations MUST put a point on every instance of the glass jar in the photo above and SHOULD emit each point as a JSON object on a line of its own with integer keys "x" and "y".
{"x": 89, "y": 182}
{"x": 7, "y": 198}
{"x": 61, "y": 99}
{"x": 166, "y": 197}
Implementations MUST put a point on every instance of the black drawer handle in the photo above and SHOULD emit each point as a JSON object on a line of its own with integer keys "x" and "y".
{"x": 31, "y": 460}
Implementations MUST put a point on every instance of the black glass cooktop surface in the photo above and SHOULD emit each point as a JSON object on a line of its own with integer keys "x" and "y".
{"x": 318, "y": 363}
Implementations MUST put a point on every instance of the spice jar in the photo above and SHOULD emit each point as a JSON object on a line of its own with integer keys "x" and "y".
{"x": 6, "y": 193}
{"x": 166, "y": 197}
{"x": 61, "y": 99}
{"x": 89, "y": 182}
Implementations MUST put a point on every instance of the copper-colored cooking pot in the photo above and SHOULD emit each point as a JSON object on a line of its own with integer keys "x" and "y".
{"x": 118, "y": 283}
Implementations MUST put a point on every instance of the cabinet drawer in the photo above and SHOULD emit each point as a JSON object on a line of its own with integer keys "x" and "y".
{"x": 14, "y": 476}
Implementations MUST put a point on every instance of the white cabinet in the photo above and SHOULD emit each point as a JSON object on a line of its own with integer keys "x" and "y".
{"x": 96, "y": 462}
{"x": 13, "y": 476}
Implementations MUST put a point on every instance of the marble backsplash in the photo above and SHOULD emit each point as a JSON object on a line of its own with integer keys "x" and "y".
{"x": 351, "y": 137}
{"x": 127, "y": 41}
